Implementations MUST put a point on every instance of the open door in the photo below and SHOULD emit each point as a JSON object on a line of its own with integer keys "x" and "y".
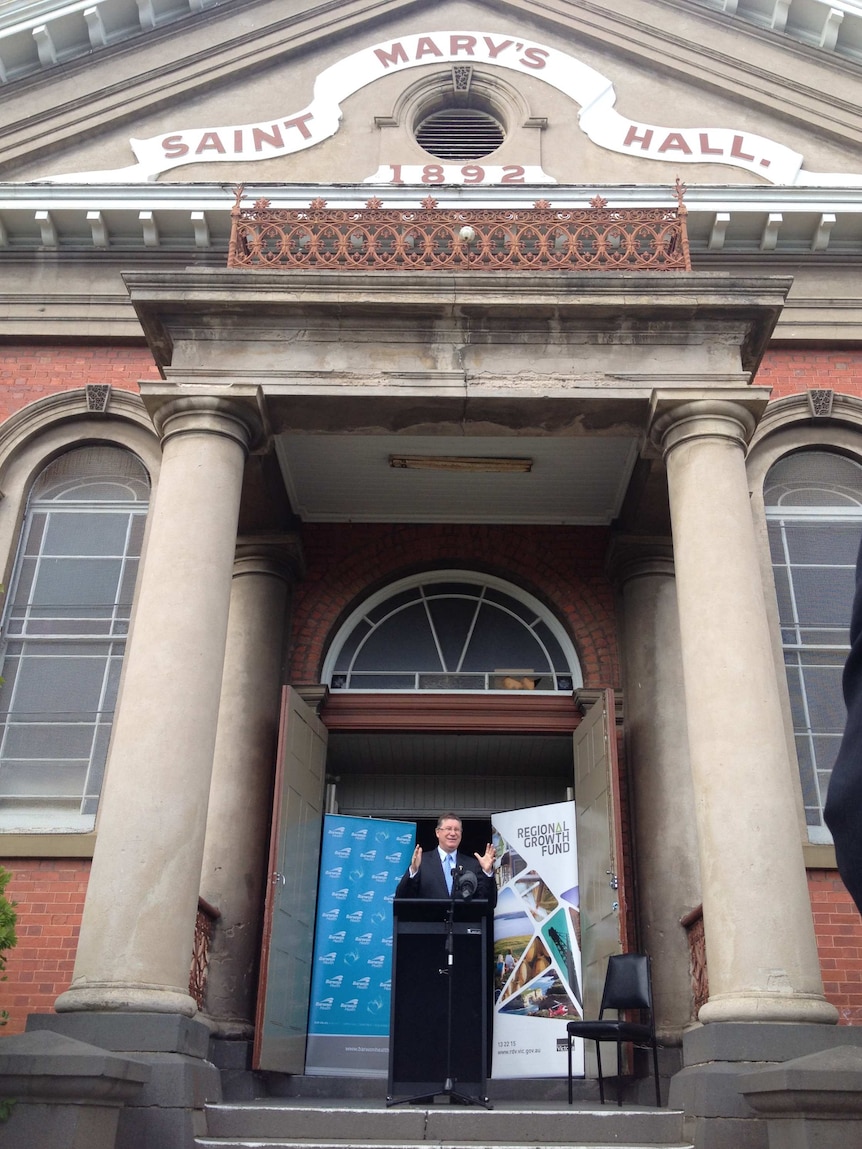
{"x": 288, "y": 930}
{"x": 600, "y": 862}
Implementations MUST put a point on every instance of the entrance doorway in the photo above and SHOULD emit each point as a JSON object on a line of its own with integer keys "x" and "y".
{"x": 409, "y": 759}
{"x": 418, "y": 775}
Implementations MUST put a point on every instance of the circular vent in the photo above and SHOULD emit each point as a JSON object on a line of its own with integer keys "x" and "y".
{"x": 459, "y": 134}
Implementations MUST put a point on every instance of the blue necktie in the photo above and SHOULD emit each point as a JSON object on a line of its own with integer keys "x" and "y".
{"x": 448, "y": 870}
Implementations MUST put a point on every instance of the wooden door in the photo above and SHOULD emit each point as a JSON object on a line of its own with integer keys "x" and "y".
{"x": 600, "y": 862}
{"x": 288, "y": 932}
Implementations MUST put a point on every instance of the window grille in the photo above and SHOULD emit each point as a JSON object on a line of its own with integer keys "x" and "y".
{"x": 459, "y": 134}
{"x": 64, "y": 634}
{"x": 814, "y": 519}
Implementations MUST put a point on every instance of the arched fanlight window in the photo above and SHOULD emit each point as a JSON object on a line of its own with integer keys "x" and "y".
{"x": 813, "y": 503}
{"x": 452, "y": 632}
{"x": 64, "y": 634}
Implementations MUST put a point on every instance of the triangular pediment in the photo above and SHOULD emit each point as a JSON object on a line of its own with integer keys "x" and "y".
{"x": 331, "y": 94}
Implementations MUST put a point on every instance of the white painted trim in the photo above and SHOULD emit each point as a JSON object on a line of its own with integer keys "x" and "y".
{"x": 475, "y": 578}
{"x": 593, "y": 92}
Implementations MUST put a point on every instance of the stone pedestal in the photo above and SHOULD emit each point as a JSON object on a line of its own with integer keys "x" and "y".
{"x": 812, "y": 1102}
{"x": 167, "y": 1112}
{"x": 67, "y": 1094}
{"x": 723, "y": 1064}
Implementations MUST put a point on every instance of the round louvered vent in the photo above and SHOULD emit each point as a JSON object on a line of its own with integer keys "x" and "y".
{"x": 459, "y": 134}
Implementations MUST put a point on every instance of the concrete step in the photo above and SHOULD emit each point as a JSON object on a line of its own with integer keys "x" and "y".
{"x": 277, "y": 1143}
{"x": 305, "y": 1124}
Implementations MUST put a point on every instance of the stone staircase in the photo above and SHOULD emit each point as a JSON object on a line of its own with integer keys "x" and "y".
{"x": 277, "y": 1123}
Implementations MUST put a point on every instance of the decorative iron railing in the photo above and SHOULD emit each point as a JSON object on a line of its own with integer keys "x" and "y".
{"x": 692, "y": 923}
{"x": 205, "y": 921}
{"x": 541, "y": 238}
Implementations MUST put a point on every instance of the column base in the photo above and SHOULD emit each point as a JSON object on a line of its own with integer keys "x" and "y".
{"x": 719, "y": 1061}
{"x": 229, "y": 1028}
{"x": 125, "y": 999}
{"x": 768, "y": 1007}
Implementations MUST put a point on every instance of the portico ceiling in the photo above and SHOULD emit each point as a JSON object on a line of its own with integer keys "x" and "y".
{"x": 338, "y": 478}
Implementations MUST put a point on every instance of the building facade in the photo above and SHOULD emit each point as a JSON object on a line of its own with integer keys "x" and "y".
{"x": 356, "y": 456}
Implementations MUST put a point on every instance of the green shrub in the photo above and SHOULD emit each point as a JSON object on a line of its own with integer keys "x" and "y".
{"x": 8, "y": 938}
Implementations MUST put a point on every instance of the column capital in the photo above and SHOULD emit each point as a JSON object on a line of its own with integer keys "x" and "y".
{"x": 280, "y": 556}
{"x": 683, "y": 422}
{"x": 632, "y": 556}
{"x": 232, "y": 414}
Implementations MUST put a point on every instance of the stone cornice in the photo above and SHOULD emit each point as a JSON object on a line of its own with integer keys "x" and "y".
{"x": 167, "y": 66}
{"x": 662, "y": 306}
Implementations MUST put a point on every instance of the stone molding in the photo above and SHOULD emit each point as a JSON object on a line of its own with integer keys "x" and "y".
{"x": 64, "y": 407}
{"x": 630, "y": 557}
{"x": 280, "y": 556}
{"x": 703, "y": 419}
{"x": 209, "y": 414}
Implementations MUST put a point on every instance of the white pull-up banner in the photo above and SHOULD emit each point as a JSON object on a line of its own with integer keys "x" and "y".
{"x": 537, "y": 954}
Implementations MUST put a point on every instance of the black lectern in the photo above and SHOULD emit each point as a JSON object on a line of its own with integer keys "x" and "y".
{"x": 438, "y": 1030}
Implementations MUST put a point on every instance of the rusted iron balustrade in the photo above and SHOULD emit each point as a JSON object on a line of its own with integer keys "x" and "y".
{"x": 692, "y": 923}
{"x": 207, "y": 916}
{"x": 541, "y": 238}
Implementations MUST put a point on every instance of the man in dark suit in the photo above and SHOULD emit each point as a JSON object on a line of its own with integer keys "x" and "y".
{"x": 843, "y": 810}
{"x": 431, "y": 875}
{"x": 428, "y": 874}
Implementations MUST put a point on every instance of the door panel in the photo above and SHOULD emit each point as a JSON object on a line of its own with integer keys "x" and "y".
{"x": 288, "y": 934}
{"x": 600, "y": 862}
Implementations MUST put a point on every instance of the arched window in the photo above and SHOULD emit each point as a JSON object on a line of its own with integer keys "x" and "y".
{"x": 452, "y": 631}
{"x": 813, "y": 502}
{"x": 64, "y": 634}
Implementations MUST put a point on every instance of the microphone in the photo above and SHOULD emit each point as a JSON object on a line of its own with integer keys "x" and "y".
{"x": 464, "y": 883}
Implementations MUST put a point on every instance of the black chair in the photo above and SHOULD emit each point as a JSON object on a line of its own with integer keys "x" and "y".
{"x": 628, "y": 986}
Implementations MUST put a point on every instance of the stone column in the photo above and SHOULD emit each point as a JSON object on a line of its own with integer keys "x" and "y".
{"x": 138, "y": 925}
{"x": 761, "y": 949}
{"x": 657, "y": 753}
{"x": 235, "y": 851}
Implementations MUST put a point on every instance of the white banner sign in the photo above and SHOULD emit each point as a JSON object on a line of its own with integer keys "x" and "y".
{"x": 594, "y": 93}
{"x": 537, "y": 953}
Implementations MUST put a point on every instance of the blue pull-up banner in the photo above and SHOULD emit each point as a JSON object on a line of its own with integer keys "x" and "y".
{"x": 361, "y": 863}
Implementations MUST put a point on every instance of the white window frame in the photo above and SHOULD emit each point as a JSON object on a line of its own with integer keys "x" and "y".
{"x": 541, "y": 612}
{"x": 29, "y": 440}
{"x": 26, "y": 630}
{"x": 785, "y": 428}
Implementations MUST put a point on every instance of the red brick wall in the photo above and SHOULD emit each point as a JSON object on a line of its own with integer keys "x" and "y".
{"x": 564, "y": 567}
{"x": 838, "y": 927}
{"x": 29, "y": 371}
{"x": 50, "y": 896}
{"x": 789, "y": 371}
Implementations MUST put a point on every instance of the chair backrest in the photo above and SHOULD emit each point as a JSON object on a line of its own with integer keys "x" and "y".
{"x": 627, "y": 983}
